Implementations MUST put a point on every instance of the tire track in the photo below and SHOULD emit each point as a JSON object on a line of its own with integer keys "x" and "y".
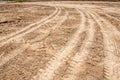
{"x": 63, "y": 70}
{"x": 30, "y": 28}
{"x": 53, "y": 28}
{"x": 19, "y": 41}
{"x": 78, "y": 60}
{"x": 3, "y": 60}
{"x": 23, "y": 46}
{"x": 111, "y": 60}
{"x": 35, "y": 64}
{"x": 111, "y": 27}
{"x": 112, "y": 20}
{"x": 58, "y": 59}
{"x": 113, "y": 11}
{"x": 112, "y": 17}
{"x": 88, "y": 62}
{"x": 94, "y": 64}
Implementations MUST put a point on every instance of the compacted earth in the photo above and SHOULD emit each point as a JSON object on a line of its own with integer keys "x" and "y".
{"x": 72, "y": 40}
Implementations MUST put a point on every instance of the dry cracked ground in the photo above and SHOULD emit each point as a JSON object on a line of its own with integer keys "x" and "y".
{"x": 60, "y": 41}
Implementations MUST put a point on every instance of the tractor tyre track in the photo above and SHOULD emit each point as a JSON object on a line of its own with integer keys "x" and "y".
{"x": 59, "y": 57}
{"x": 30, "y": 28}
{"x": 52, "y": 29}
{"x": 111, "y": 65}
{"x": 75, "y": 65}
{"x": 11, "y": 62}
{"x": 63, "y": 70}
{"x": 22, "y": 47}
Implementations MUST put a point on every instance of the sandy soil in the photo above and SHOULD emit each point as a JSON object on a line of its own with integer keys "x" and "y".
{"x": 60, "y": 41}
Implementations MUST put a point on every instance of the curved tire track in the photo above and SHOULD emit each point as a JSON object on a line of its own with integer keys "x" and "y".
{"x": 30, "y": 28}
{"x": 5, "y": 59}
{"x": 78, "y": 59}
{"x": 53, "y": 28}
{"x": 59, "y": 57}
{"x": 111, "y": 64}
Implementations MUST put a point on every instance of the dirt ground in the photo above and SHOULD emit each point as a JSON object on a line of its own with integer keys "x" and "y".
{"x": 60, "y": 41}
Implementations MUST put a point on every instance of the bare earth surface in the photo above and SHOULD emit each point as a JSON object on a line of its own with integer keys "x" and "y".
{"x": 60, "y": 41}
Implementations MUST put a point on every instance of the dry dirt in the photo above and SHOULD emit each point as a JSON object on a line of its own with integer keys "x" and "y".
{"x": 60, "y": 41}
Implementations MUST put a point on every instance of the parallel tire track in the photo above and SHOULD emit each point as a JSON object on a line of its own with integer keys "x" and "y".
{"x": 30, "y": 28}
{"x": 111, "y": 65}
{"x": 62, "y": 71}
{"x": 59, "y": 57}
{"x": 5, "y": 59}
{"x": 81, "y": 55}
{"x": 53, "y": 28}
{"x": 112, "y": 21}
{"x": 92, "y": 53}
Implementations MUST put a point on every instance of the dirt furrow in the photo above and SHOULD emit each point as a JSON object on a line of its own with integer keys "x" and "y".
{"x": 31, "y": 27}
{"x": 60, "y": 21}
{"x": 69, "y": 41}
{"x": 112, "y": 13}
{"x": 62, "y": 70}
{"x": 36, "y": 56}
{"x": 111, "y": 63}
{"x": 76, "y": 64}
{"x": 116, "y": 19}
{"x": 112, "y": 20}
{"x": 22, "y": 46}
{"x": 6, "y": 57}
{"x": 59, "y": 57}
